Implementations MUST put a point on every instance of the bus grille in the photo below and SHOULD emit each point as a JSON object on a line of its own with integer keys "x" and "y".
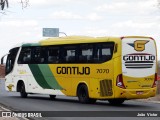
{"x": 106, "y": 88}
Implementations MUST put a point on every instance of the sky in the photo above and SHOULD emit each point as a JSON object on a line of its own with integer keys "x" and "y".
{"x": 79, "y": 17}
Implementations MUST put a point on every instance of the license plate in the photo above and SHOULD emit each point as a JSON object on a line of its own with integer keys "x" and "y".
{"x": 139, "y": 92}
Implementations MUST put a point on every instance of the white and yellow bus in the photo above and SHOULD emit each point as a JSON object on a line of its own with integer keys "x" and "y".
{"x": 102, "y": 68}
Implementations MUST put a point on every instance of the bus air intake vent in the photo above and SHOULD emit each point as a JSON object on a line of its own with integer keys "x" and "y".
{"x": 106, "y": 88}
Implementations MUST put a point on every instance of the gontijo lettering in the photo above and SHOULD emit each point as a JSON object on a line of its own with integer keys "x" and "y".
{"x": 139, "y": 57}
{"x": 73, "y": 70}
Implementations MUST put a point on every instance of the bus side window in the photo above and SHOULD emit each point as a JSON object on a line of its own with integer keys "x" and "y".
{"x": 86, "y": 55}
{"x": 67, "y": 54}
{"x": 38, "y": 55}
{"x": 70, "y": 52}
{"x": 107, "y": 51}
{"x": 97, "y": 53}
{"x": 103, "y": 52}
{"x": 106, "y": 54}
{"x": 53, "y": 55}
{"x": 25, "y": 56}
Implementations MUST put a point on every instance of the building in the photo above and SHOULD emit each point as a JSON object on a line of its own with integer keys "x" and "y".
{"x": 2, "y": 71}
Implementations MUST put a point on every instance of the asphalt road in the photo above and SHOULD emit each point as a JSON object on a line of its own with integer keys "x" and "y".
{"x": 12, "y": 100}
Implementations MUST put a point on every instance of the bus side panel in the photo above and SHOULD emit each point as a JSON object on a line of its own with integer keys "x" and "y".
{"x": 117, "y": 71}
{"x": 97, "y": 77}
{"x": 16, "y": 75}
{"x": 41, "y": 80}
{"x": 24, "y": 73}
{"x": 9, "y": 83}
{"x": 102, "y": 83}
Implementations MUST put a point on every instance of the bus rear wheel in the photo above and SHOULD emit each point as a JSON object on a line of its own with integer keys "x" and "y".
{"x": 52, "y": 97}
{"x": 116, "y": 101}
{"x": 83, "y": 95}
{"x": 23, "y": 93}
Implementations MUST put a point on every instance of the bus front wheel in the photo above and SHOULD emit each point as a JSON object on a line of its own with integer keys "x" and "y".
{"x": 23, "y": 91}
{"x": 116, "y": 101}
{"x": 52, "y": 97}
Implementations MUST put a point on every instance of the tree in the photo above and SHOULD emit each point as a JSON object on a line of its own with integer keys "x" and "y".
{"x": 24, "y": 3}
{"x": 5, "y": 3}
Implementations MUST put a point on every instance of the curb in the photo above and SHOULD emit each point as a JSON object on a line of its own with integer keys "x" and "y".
{"x": 149, "y": 101}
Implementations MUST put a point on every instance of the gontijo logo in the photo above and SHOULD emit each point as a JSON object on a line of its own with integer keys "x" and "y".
{"x": 139, "y": 45}
{"x": 139, "y": 60}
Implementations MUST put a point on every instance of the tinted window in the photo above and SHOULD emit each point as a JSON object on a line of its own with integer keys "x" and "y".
{"x": 38, "y": 55}
{"x": 25, "y": 56}
{"x": 76, "y": 53}
{"x": 68, "y": 54}
{"x": 52, "y": 54}
{"x": 103, "y": 52}
{"x": 86, "y": 53}
{"x": 11, "y": 59}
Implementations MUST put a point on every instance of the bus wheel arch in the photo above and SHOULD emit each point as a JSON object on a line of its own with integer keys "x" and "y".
{"x": 21, "y": 88}
{"x": 79, "y": 84}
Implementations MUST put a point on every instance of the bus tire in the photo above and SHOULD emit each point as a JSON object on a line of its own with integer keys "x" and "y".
{"x": 116, "y": 101}
{"x": 82, "y": 94}
{"x": 52, "y": 97}
{"x": 92, "y": 101}
{"x": 23, "y": 93}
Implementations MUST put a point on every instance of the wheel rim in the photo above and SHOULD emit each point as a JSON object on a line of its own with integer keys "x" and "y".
{"x": 22, "y": 89}
{"x": 83, "y": 93}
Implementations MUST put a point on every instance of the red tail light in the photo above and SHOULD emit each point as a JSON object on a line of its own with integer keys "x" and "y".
{"x": 120, "y": 81}
{"x": 155, "y": 81}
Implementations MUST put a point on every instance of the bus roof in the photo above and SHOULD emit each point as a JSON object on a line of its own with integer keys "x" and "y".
{"x": 70, "y": 40}
{"x": 77, "y": 39}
